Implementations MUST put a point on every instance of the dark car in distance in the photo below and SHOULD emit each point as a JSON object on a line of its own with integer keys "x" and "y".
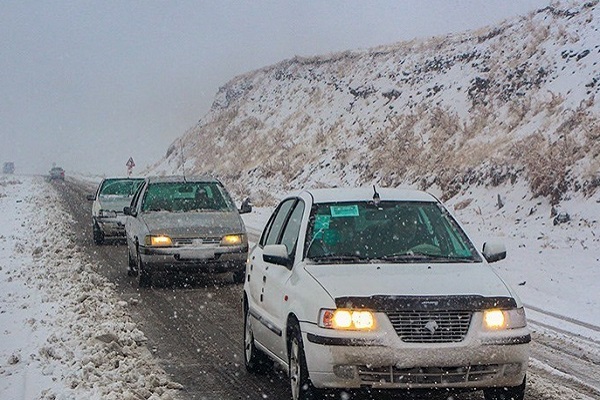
{"x": 57, "y": 173}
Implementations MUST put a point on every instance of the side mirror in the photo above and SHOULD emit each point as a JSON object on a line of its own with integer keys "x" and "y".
{"x": 246, "y": 206}
{"x": 129, "y": 211}
{"x": 91, "y": 197}
{"x": 494, "y": 251}
{"x": 276, "y": 254}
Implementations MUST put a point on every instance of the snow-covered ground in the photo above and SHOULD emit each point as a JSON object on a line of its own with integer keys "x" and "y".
{"x": 64, "y": 332}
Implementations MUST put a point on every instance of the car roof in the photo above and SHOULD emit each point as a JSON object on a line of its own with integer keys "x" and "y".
{"x": 180, "y": 178}
{"x": 333, "y": 195}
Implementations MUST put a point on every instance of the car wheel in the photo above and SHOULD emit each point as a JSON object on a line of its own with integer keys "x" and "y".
{"x": 256, "y": 361}
{"x": 144, "y": 276}
{"x": 98, "y": 235}
{"x": 131, "y": 267}
{"x": 302, "y": 388}
{"x": 239, "y": 276}
{"x": 505, "y": 393}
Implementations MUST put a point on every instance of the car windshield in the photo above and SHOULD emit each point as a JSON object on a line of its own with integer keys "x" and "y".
{"x": 187, "y": 197}
{"x": 120, "y": 187}
{"x": 391, "y": 231}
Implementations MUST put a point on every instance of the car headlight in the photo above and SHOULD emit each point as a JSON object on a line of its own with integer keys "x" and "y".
{"x": 107, "y": 214}
{"x": 232, "y": 240}
{"x": 356, "y": 320}
{"x": 495, "y": 319}
{"x": 158, "y": 240}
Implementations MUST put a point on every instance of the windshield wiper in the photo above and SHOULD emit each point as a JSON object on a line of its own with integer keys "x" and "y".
{"x": 413, "y": 256}
{"x": 338, "y": 258}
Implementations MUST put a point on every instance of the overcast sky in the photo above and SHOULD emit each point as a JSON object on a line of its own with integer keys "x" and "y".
{"x": 87, "y": 84}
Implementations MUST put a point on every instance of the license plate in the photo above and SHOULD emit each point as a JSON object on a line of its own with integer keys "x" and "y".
{"x": 196, "y": 254}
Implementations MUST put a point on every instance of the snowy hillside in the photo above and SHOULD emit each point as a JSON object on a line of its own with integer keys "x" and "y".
{"x": 507, "y": 103}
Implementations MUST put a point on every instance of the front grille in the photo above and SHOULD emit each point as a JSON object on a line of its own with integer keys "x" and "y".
{"x": 431, "y": 326}
{"x": 428, "y": 375}
{"x": 190, "y": 241}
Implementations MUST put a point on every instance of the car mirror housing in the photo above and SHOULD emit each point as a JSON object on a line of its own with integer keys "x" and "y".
{"x": 246, "y": 206}
{"x": 91, "y": 197}
{"x": 129, "y": 211}
{"x": 494, "y": 251}
{"x": 276, "y": 254}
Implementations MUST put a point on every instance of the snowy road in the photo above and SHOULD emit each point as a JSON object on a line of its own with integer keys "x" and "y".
{"x": 196, "y": 332}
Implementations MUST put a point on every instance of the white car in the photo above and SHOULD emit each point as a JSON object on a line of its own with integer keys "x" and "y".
{"x": 112, "y": 195}
{"x": 381, "y": 289}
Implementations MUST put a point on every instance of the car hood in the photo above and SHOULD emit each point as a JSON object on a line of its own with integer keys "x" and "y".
{"x": 179, "y": 224}
{"x": 114, "y": 203}
{"x": 364, "y": 280}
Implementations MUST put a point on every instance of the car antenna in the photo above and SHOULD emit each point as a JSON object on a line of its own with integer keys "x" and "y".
{"x": 376, "y": 198}
{"x": 182, "y": 160}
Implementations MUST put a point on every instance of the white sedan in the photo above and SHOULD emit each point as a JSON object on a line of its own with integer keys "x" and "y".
{"x": 380, "y": 288}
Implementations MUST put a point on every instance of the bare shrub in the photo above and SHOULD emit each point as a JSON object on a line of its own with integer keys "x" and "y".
{"x": 547, "y": 164}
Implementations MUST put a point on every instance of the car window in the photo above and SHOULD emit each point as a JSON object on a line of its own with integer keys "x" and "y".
{"x": 120, "y": 187}
{"x": 136, "y": 196}
{"x": 292, "y": 229}
{"x": 273, "y": 229}
{"x": 396, "y": 231}
{"x": 186, "y": 197}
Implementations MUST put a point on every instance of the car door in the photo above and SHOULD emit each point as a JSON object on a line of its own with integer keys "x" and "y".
{"x": 277, "y": 279}
{"x": 265, "y": 330}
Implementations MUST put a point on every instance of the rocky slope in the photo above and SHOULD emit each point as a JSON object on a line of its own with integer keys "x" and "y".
{"x": 513, "y": 102}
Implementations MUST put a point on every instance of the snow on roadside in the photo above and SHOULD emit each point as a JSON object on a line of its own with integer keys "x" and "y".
{"x": 64, "y": 333}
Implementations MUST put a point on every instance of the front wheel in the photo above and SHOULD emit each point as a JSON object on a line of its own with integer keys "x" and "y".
{"x": 98, "y": 234}
{"x": 144, "y": 276}
{"x": 239, "y": 276}
{"x": 302, "y": 388}
{"x": 131, "y": 265}
{"x": 505, "y": 393}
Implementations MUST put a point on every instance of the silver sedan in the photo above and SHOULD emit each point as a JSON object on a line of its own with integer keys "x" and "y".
{"x": 190, "y": 225}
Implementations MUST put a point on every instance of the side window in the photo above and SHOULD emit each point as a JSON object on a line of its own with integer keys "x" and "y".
{"x": 273, "y": 231}
{"x": 292, "y": 229}
{"x": 136, "y": 196}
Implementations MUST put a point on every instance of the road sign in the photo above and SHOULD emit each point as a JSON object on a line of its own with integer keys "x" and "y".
{"x": 130, "y": 164}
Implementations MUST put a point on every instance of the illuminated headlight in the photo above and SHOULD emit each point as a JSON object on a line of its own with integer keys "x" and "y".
{"x": 356, "y": 320}
{"x": 158, "y": 240}
{"x": 494, "y": 320}
{"x": 232, "y": 240}
{"x": 108, "y": 214}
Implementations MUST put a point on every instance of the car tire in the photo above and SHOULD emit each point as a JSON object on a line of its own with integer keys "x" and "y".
{"x": 98, "y": 235}
{"x": 131, "y": 267}
{"x": 302, "y": 387}
{"x": 144, "y": 276}
{"x": 505, "y": 393}
{"x": 239, "y": 276}
{"x": 255, "y": 360}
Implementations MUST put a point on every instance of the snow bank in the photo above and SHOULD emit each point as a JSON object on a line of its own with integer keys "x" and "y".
{"x": 64, "y": 332}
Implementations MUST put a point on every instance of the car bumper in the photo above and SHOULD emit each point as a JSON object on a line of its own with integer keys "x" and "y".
{"x": 111, "y": 227}
{"x": 187, "y": 259}
{"x": 381, "y": 360}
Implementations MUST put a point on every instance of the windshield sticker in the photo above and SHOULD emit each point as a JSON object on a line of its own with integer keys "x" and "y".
{"x": 344, "y": 211}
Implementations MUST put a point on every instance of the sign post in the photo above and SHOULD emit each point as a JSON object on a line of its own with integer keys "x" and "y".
{"x": 130, "y": 164}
